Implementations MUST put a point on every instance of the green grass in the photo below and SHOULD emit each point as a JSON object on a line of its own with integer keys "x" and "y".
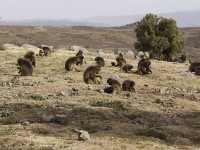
{"x": 4, "y": 133}
{"x": 7, "y": 121}
{"x": 37, "y": 97}
{"x": 151, "y": 133}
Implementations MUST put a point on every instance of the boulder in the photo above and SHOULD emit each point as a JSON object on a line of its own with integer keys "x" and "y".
{"x": 77, "y": 48}
{"x": 130, "y": 54}
{"x": 10, "y": 47}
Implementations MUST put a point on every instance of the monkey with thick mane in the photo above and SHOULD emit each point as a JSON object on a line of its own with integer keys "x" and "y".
{"x": 115, "y": 87}
{"x": 90, "y": 75}
{"x": 25, "y": 67}
{"x": 30, "y": 56}
{"x": 71, "y": 63}
{"x": 144, "y": 66}
{"x": 100, "y": 61}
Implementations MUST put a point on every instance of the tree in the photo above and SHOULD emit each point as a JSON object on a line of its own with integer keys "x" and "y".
{"x": 159, "y": 36}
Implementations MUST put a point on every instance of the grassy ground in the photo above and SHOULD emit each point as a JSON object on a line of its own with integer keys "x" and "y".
{"x": 163, "y": 113}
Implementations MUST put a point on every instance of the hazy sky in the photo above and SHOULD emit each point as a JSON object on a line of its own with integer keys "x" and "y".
{"x": 77, "y": 9}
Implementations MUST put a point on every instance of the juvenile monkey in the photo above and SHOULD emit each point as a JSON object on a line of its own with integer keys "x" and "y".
{"x": 127, "y": 68}
{"x": 128, "y": 85}
{"x": 100, "y": 61}
{"x": 80, "y": 52}
{"x": 71, "y": 63}
{"x": 90, "y": 75}
{"x": 115, "y": 87}
{"x": 46, "y": 51}
{"x": 25, "y": 67}
{"x": 144, "y": 66}
{"x": 120, "y": 62}
{"x": 30, "y": 56}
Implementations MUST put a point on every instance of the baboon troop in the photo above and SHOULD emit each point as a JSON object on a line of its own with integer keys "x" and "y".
{"x": 45, "y": 51}
{"x": 30, "y": 56}
{"x": 90, "y": 75}
{"x": 144, "y": 66}
{"x": 127, "y": 68}
{"x": 71, "y": 63}
{"x": 128, "y": 85}
{"x": 100, "y": 61}
{"x": 25, "y": 67}
{"x": 115, "y": 87}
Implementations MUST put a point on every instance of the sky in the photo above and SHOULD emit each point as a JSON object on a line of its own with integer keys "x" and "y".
{"x": 79, "y": 9}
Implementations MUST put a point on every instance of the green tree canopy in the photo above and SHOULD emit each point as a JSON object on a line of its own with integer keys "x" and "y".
{"x": 159, "y": 36}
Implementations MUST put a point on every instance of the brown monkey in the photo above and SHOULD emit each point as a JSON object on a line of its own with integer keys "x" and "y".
{"x": 80, "y": 52}
{"x": 120, "y": 62}
{"x": 25, "y": 67}
{"x": 113, "y": 63}
{"x": 46, "y": 51}
{"x": 128, "y": 85}
{"x": 144, "y": 66}
{"x": 90, "y": 75}
{"x": 197, "y": 70}
{"x": 193, "y": 66}
{"x": 72, "y": 62}
{"x": 30, "y": 56}
{"x": 41, "y": 53}
{"x": 115, "y": 87}
{"x": 100, "y": 61}
{"x": 126, "y": 68}
{"x": 121, "y": 55}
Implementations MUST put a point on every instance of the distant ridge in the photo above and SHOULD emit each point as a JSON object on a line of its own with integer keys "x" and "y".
{"x": 183, "y": 18}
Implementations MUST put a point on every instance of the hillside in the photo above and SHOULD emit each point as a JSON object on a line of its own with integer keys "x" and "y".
{"x": 183, "y": 18}
{"x": 107, "y": 39}
{"x": 163, "y": 113}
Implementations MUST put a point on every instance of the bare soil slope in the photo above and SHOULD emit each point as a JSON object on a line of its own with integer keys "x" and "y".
{"x": 95, "y": 38}
{"x": 163, "y": 113}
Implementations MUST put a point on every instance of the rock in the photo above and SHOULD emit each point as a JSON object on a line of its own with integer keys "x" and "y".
{"x": 115, "y": 77}
{"x": 28, "y": 46}
{"x": 10, "y": 47}
{"x": 10, "y": 84}
{"x": 130, "y": 54}
{"x": 61, "y": 119}
{"x": 77, "y": 48}
{"x": 146, "y": 54}
{"x": 62, "y": 93}
{"x": 25, "y": 123}
{"x": 158, "y": 101}
{"x": 82, "y": 135}
{"x": 140, "y": 54}
{"x": 163, "y": 90}
{"x": 146, "y": 84}
{"x": 101, "y": 91}
{"x": 128, "y": 95}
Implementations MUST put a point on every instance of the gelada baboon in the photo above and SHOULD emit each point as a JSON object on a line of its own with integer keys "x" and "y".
{"x": 90, "y": 75}
{"x": 25, "y": 67}
{"x": 127, "y": 68}
{"x": 193, "y": 66}
{"x": 144, "y": 66}
{"x": 100, "y": 61}
{"x": 46, "y": 51}
{"x": 115, "y": 87}
{"x": 128, "y": 85}
{"x": 71, "y": 63}
{"x": 30, "y": 56}
{"x": 120, "y": 62}
{"x": 197, "y": 70}
{"x": 80, "y": 52}
{"x": 121, "y": 55}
